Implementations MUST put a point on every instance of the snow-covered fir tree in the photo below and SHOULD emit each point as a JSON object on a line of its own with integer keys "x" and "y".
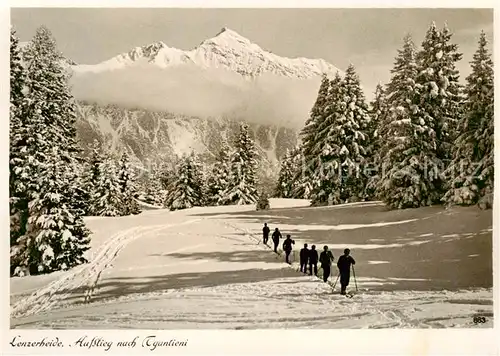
{"x": 310, "y": 131}
{"x": 439, "y": 92}
{"x": 323, "y": 165}
{"x": 107, "y": 195}
{"x": 17, "y": 116}
{"x": 111, "y": 184}
{"x": 302, "y": 187}
{"x": 187, "y": 188}
{"x": 56, "y": 237}
{"x": 45, "y": 142}
{"x": 128, "y": 187}
{"x": 377, "y": 109}
{"x": 91, "y": 176}
{"x": 309, "y": 139}
{"x": 292, "y": 180}
{"x": 164, "y": 177}
{"x": 354, "y": 137}
{"x": 218, "y": 179}
{"x": 82, "y": 198}
{"x": 342, "y": 143}
{"x": 242, "y": 181}
{"x": 471, "y": 170}
{"x": 399, "y": 95}
{"x": 263, "y": 201}
{"x": 48, "y": 80}
{"x": 153, "y": 185}
{"x": 410, "y": 165}
{"x": 287, "y": 173}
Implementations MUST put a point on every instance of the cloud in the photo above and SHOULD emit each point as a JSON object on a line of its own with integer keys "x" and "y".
{"x": 193, "y": 91}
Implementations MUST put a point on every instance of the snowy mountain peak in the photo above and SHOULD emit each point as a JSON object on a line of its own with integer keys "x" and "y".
{"x": 228, "y": 37}
{"x": 227, "y": 50}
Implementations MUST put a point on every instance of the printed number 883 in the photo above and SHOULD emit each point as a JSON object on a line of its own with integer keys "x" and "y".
{"x": 479, "y": 320}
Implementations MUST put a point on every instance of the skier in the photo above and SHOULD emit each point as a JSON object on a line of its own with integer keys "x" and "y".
{"x": 326, "y": 259}
{"x": 344, "y": 264}
{"x": 304, "y": 257}
{"x": 313, "y": 260}
{"x": 276, "y": 239}
{"x": 265, "y": 232}
{"x": 287, "y": 247}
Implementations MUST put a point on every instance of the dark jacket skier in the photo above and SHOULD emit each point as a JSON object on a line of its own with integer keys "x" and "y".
{"x": 344, "y": 264}
{"x": 265, "y": 233}
{"x": 313, "y": 260}
{"x": 326, "y": 259}
{"x": 287, "y": 247}
{"x": 304, "y": 258}
{"x": 276, "y": 239}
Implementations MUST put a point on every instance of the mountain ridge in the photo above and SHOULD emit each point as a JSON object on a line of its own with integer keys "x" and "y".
{"x": 153, "y": 135}
{"x": 227, "y": 50}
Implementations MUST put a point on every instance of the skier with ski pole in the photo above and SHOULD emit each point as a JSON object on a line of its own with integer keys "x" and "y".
{"x": 344, "y": 265}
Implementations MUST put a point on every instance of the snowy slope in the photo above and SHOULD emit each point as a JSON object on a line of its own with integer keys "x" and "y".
{"x": 198, "y": 269}
{"x": 227, "y": 50}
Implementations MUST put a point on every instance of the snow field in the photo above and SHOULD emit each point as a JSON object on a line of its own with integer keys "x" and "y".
{"x": 186, "y": 269}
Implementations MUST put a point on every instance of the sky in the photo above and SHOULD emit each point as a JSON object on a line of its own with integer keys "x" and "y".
{"x": 367, "y": 38}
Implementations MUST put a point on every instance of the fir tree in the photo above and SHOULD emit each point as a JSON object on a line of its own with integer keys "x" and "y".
{"x": 323, "y": 164}
{"x": 399, "y": 96}
{"x": 45, "y": 142}
{"x": 292, "y": 181}
{"x": 49, "y": 93}
{"x": 163, "y": 180}
{"x": 127, "y": 187}
{"x": 316, "y": 118}
{"x": 154, "y": 185}
{"x": 56, "y": 237}
{"x": 263, "y": 202}
{"x": 472, "y": 166}
{"x": 82, "y": 198}
{"x": 354, "y": 137}
{"x": 242, "y": 181}
{"x": 438, "y": 92}
{"x": 187, "y": 188}
{"x": 17, "y": 74}
{"x": 107, "y": 194}
{"x": 377, "y": 109}
{"x": 19, "y": 177}
{"x": 286, "y": 176}
{"x": 92, "y": 175}
{"x": 302, "y": 185}
{"x": 342, "y": 143}
{"x": 309, "y": 137}
{"x": 17, "y": 182}
{"x": 218, "y": 180}
{"x": 408, "y": 151}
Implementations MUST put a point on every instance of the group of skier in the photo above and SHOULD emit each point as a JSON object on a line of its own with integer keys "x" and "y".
{"x": 309, "y": 257}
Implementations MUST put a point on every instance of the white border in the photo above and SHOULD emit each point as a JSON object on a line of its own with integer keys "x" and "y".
{"x": 307, "y": 342}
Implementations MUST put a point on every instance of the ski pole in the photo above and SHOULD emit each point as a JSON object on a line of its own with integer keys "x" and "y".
{"x": 354, "y": 275}
{"x": 336, "y": 281}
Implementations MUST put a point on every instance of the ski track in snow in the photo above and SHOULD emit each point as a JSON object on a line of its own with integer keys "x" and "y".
{"x": 85, "y": 276}
{"x": 396, "y": 318}
{"x": 289, "y": 302}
